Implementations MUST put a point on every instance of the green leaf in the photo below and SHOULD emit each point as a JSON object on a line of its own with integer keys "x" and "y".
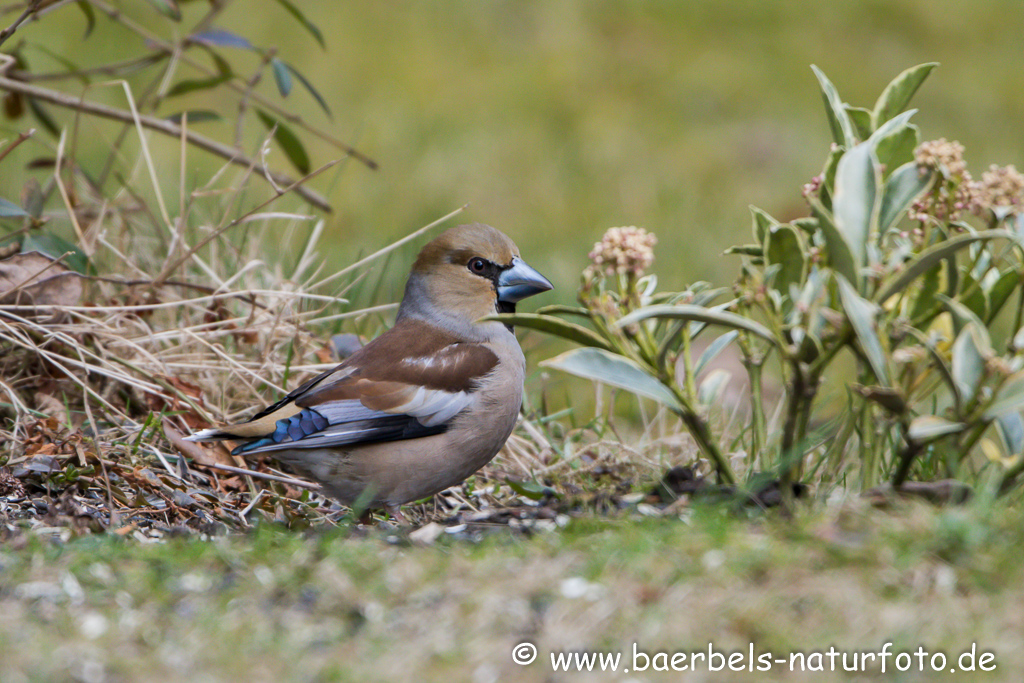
{"x": 55, "y": 247}
{"x": 762, "y": 222}
{"x": 698, "y": 314}
{"x": 828, "y": 175}
{"x": 713, "y": 349}
{"x": 73, "y": 68}
{"x": 32, "y": 198}
{"x": 282, "y": 76}
{"x": 602, "y": 366}
{"x": 90, "y": 17}
{"x": 785, "y": 248}
{"x": 289, "y": 142}
{"x": 926, "y": 300}
{"x": 862, "y": 314}
{"x": 856, "y": 199}
{"x": 838, "y": 120}
{"x": 809, "y": 346}
{"x": 898, "y": 148}
{"x": 43, "y": 116}
{"x": 528, "y": 489}
{"x": 972, "y": 296}
{"x": 968, "y": 362}
{"x": 555, "y": 326}
{"x": 312, "y": 91}
{"x": 222, "y": 38}
{"x": 939, "y": 361}
{"x": 195, "y": 84}
{"x": 223, "y": 67}
{"x": 904, "y": 185}
{"x": 963, "y": 316}
{"x": 1000, "y": 293}
{"x": 928, "y": 427}
{"x": 10, "y": 210}
{"x": 808, "y": 224}
{"x": 1009, "y": 398}
{"x": 710, "y": 391}
{"x": 1010, "y": 426}
{"x": 195, "y": 116}
{"x": 302, "y": 19}
{"x": 168, "y": 8}
{"x": 745, "y": 250}
{"x": 892, "y": 126}
{"x": 933, "y": 255}
{"x": 861, "y": 120}
{"x": 837, "y": 248}
{"x": 898, "y": 93}
{"x": 559, "y": 309}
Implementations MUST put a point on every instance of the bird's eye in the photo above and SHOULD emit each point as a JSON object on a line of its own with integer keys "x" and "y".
{"x": 478, "y": 265}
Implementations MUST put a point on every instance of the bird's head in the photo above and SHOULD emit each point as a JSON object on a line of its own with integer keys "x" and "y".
{"x": 466, "y": 273}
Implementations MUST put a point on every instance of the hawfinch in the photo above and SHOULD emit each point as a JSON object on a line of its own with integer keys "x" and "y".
{"x": 424, "y": 405}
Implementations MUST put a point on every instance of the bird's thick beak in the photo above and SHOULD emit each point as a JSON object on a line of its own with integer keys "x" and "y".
{"x": 520, "y": 281}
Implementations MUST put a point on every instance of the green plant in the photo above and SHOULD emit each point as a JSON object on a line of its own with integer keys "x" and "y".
{"x": 887, "y": 267}
{"x": 179, "y": 55}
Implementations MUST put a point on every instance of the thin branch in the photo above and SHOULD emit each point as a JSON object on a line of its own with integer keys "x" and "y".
{"x": 30, "y": 9}
{"x": 298, "y": 483}
{"x": 278, "y": 111}
{"x": 21, "y": 138}
{"x": 113, "y": 69}
{"x": 167, "y": 128}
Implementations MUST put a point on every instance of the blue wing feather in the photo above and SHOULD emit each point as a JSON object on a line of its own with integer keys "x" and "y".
{"x": 345, "y": 423}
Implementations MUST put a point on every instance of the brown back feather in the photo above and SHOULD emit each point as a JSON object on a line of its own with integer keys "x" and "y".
{"x": 429, "y": 357}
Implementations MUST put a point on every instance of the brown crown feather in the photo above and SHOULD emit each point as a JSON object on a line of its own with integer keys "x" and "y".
{"x": 463, "y": 242}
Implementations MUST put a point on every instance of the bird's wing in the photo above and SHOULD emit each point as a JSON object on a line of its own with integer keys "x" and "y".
{"x": 409, "y": 382}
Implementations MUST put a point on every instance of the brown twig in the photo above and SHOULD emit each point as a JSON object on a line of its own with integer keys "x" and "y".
{"x": 127, "y": 66}
{"x": 167, "y": 128}
{"x": 238, "y": 87}
{"x": 263, "y": 475}
{"x": 21, "y": 138}
{"x": 30, "y": 9}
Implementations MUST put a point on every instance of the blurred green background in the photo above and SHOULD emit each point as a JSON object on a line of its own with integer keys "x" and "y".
{"x": 555, "y": 120}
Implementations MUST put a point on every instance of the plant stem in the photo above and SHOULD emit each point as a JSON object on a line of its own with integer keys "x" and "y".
{"x": 1018, "y": 318}
{"x": 1010, "y": 477}
{"x": 907, "y": 456}
{"x": 698, "y": 429}
{"x": 972, "y": 439}
{"x": 787, "y": 467}
{"x": 758, "y": 435}
{"x": 30, "y": 9}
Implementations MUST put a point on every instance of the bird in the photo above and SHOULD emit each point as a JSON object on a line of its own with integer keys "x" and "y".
{"x": 424, "y": 405}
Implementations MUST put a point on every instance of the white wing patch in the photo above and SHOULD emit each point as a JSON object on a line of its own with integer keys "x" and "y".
{"x": 432, "y": 407}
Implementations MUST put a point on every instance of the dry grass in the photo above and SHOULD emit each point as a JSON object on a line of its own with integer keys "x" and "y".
{"x": 179, "y": 324}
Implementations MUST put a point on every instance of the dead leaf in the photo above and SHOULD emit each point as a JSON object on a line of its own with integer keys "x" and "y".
{"x": 193, "y": 450}
{"x": 34, "y": 279}
{"x": 426, "y": 534}
{"x": 51, "y": 407}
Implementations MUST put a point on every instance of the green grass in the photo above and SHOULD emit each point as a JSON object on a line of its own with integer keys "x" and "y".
{"x": 279, "y": 606}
